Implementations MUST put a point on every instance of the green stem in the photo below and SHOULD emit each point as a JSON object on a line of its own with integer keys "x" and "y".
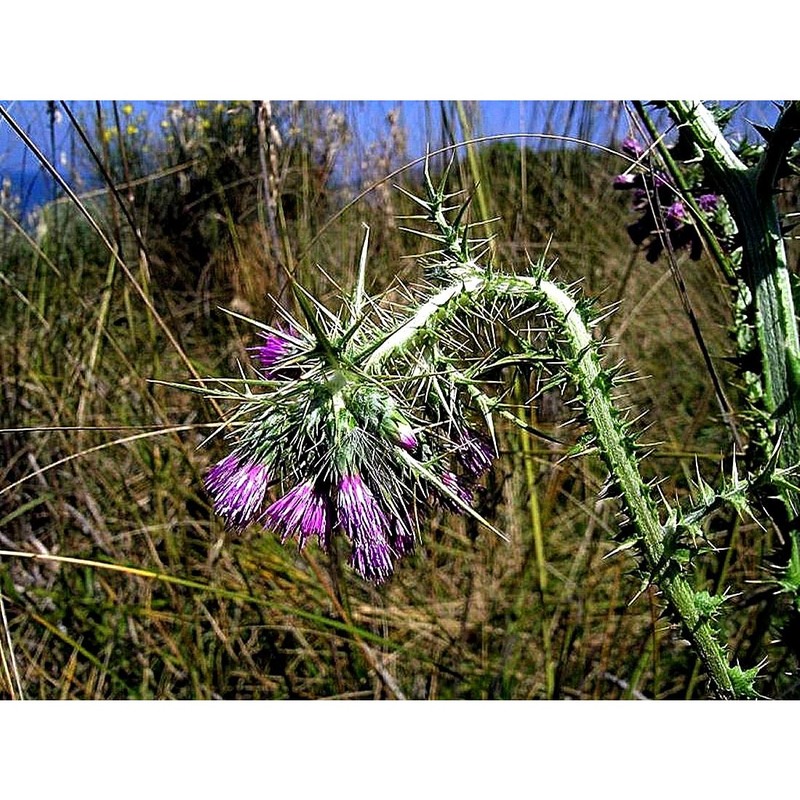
{"x": 617, "y": 452}
{"x": 580, "y": 353}
{"x": 764, "y": 266}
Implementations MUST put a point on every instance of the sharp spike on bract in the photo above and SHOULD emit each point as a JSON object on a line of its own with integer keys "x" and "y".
{"x": 358, "y": 300}
{"x": 308, "y": 312}
{"x": 411, "y": 196}
{"x": 765, "y": 131}
{"x": 422, "y": 217}
{"x": 425, "y": 234}
{"x": 605, "y": 313}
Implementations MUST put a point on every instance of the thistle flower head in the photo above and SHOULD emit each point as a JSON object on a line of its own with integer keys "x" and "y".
{"x": 676, "y": 214}
{"x": 335, "y": 443}
{"x": 401, "y": 536}
{"x": 302, "y": 512}
{"x": 276, "y": 347}
{"x": 367, "y": 527}
{"x": 237, "y": 488}
{"x": 708, "y": 202}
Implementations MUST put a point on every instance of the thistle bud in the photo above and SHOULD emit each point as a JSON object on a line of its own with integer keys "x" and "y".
{"x": 398, "y": 428}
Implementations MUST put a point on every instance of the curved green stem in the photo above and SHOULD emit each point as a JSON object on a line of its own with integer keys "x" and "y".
{"x": 579, "y": 351}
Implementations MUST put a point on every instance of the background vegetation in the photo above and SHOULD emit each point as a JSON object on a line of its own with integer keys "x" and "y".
{"x": 119, "y": 582}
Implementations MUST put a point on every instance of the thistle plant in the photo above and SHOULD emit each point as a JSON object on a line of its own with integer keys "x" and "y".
{"x": 363, "y": 421}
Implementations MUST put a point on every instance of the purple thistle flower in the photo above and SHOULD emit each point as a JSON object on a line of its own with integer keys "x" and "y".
{"x": 365, "y": 524}
{"x": 451, "y": 481}
{"x": 631, "y": 147}
{"x": 624, "y": 181}
{"x": 660, "y": 180}
{"x": 676, "y": 214}
{"x": 301, "y": 512}
{"x": 275, "y": 347}
{"x": 475, "y": 453}
{"x": 402, "y": 537}
{"x": 237, "y": 489}
{"x": 402, "y": 540}
{"x": 708, "y": 202}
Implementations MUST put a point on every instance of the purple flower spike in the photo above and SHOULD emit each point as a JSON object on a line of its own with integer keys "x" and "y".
{"x": 708, "y": 202}
{"x": 367, "y": 527}
{"x": 237, "y": 489}
{"x": 301, "y": 512}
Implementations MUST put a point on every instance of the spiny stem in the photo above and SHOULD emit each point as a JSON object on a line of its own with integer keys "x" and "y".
{"x": 440, "y": 305}
{"x": 579, "y": 351}
{"x": 622, "y": 464}
{"x": 764, "y": 268}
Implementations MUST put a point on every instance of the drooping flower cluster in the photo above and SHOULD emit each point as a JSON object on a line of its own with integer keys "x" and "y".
{"x": 340, "y": 453}
{"x": 664, "y": 214}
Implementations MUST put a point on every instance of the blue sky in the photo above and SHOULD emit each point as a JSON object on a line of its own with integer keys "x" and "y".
{"x": 605, "y": 122}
